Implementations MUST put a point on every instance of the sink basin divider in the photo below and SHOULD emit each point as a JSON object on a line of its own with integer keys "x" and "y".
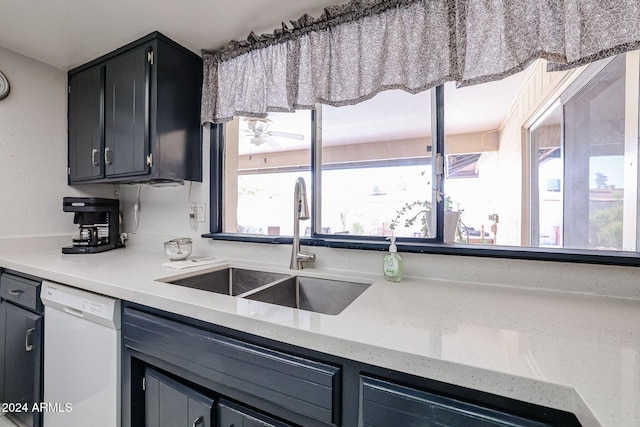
{"x": 266, "y": 286}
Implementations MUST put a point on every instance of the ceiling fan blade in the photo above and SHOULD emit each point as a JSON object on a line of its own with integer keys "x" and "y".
{"x": 273, "y": 143}
{"x": 286, "y": 135}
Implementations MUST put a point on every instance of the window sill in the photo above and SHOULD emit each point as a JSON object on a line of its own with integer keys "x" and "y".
{"x": 427, "y": 247}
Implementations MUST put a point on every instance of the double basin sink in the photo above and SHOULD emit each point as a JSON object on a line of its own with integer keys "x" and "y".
{"x": 324, "y": 296}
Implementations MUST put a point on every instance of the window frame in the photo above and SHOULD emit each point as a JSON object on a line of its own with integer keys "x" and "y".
{"x": 379, "y": 243}
{"x": 531, "y": 217}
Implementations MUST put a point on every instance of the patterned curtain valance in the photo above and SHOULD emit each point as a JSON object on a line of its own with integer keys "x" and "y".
{"x": 356, "y": 50}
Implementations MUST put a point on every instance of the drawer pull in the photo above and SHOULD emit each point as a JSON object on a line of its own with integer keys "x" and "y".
{"x": 94, "y": 159}
{"x": 107, "y": 150}
{"x": 16, "y": 292}
{"x": 27, "y": 339}
{"x": 197, "y": 421}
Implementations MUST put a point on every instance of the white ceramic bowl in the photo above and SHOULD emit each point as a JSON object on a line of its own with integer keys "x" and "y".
{"x": 178, "y": 249}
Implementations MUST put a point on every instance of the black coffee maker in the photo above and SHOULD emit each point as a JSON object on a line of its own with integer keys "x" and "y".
{"x": 99, "y": 221}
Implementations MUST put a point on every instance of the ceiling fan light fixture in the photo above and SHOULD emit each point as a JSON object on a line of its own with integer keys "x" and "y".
{"x": 258, "y": 125}
{"x": 256, "y": 140}
{"x": 259, "y": 134}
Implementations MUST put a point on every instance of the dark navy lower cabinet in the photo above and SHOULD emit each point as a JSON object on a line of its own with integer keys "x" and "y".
{"x": 251, "y": 381}
{"x": 388, "y": 404}
{"x": 21, "y": 347}
{"x": 279, "y": 384}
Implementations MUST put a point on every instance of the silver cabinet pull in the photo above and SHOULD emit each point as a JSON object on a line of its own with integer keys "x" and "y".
{"x": 106, "y": 156}
{"x": 16, "y": 292}
{"x": 94, "y": 158}
{"x": 196, "y": 421}
{"x": 27, "y": 337}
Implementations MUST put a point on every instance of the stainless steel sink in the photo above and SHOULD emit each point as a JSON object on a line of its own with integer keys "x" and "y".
{"x": 228, "y": 281}
{"x": 305, "y": 293}
{"x": 310, "y": 293}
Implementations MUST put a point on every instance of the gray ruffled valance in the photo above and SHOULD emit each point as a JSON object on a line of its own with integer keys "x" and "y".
{"x": 356, "y": 50}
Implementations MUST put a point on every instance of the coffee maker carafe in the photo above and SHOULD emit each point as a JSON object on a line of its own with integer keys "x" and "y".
{"x": 99, "y": 222}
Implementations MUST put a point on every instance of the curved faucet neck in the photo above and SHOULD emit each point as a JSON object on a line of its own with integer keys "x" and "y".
{"x": 300, "y": 212}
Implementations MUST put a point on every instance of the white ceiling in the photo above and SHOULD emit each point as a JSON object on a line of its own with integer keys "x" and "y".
{"x": 395, "y": 115}
{"x": 69, "y": 33}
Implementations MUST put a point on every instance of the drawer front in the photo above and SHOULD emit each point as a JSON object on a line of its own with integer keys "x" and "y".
{"x": 21, "y": 291}
{"x": 299, "y": 385}
{"x": 384, "y": 404}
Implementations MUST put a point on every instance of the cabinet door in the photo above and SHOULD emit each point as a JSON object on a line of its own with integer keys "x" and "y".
{"x": 127, "y": 83}
{"x": 86, "y": 125}
{"x": 22, "y": 332}
{"x": 169, "y": 403}
{"x": 231, "y": 415}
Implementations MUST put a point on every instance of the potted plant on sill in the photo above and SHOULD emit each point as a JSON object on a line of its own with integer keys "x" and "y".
{"x": 452, "y": 222}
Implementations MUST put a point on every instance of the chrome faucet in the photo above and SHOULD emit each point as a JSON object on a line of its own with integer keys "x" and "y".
{"x": 300, "y": 212}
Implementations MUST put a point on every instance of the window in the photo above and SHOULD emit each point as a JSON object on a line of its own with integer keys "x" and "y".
{"x": 263, "y": 158}
{"x": 542, "y": 162}
{"x": 586, "y": 162}
{"x": 374, "y": 159}
{"x": 482, "y": 183}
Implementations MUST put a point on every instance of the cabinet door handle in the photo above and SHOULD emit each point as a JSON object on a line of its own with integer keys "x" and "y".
{"x": 106, "y": 156}
{"x": 16, "y": 292}
{"x": 94, "y": 159}
{"x": 197, "y": 421}
{"x": 27, "y": 345}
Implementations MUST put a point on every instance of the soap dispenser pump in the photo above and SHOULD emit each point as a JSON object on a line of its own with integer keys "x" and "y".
{"x": 393, "y": 263}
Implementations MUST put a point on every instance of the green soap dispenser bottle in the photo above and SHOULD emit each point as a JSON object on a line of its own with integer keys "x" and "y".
{"x": 393, "y": 263}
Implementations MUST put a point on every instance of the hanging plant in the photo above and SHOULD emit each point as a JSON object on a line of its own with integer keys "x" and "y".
{"x": 424, "y": 207}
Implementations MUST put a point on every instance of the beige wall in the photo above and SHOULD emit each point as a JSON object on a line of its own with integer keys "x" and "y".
{"x": 474, "y": 142}
{"x": 33, "y": 150}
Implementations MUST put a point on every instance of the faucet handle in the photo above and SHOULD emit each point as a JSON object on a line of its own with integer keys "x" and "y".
{"x": 306, "y": 257}
{"x": 300, "y": 258}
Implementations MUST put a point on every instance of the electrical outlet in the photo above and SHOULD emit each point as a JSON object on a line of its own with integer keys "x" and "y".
{"x": 199, "y": 210}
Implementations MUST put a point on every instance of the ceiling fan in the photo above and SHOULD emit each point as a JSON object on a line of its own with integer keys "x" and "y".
{"x": 260, "y": 134}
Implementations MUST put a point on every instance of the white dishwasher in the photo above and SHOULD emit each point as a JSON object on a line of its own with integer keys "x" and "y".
{"x": 81, "y": 358}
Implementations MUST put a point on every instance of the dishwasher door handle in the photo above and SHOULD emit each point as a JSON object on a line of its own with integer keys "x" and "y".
{"x": 28, "y": 343}
{"x": 74, "y": 311}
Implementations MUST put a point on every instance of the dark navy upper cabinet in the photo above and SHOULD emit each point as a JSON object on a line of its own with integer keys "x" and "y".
{"x": 134, "y": 115}
{"x": 85, "y": 125}
{"x": 126, "y": 126}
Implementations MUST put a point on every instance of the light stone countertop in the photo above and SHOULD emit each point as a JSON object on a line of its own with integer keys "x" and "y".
{"x": 578, "y": 353}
